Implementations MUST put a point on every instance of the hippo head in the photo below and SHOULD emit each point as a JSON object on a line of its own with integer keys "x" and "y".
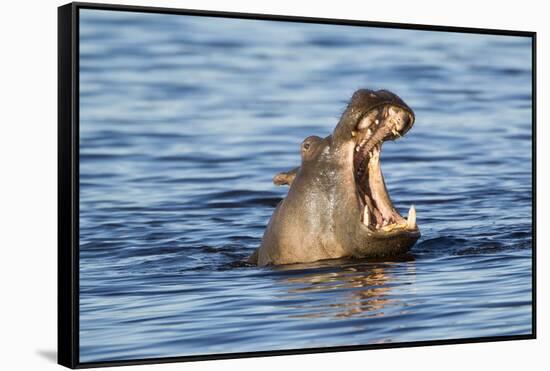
{"x": 371, "y": 118}
{"x": 338, "y": 204}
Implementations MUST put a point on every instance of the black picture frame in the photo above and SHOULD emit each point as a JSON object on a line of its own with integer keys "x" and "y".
{"x": 68, "y": 181}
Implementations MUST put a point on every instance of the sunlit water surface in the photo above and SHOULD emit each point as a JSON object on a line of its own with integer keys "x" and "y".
{"x": 185, "y": 120}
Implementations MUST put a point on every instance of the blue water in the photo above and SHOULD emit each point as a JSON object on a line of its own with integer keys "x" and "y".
{"x": 185, "y": 120}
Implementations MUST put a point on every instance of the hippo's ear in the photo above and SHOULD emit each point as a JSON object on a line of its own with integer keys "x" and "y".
{"x": 285, "y": 178}
{"x": 282, "y": 179}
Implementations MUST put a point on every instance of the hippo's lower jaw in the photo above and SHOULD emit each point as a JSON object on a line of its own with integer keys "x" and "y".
{"x": 386, "y": 122}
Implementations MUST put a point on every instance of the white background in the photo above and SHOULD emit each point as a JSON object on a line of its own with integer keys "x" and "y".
{"x": 28, "y": 165}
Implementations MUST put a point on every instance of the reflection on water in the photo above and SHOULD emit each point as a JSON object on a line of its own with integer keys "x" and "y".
{"x": 184, "y": 121}
{"x": 366, "y": 287}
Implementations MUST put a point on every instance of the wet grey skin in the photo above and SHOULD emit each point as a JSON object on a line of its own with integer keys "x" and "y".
{"x": 338, "y": 205}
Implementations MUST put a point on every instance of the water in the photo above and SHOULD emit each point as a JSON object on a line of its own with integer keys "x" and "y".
{"x": 185, "y": 120}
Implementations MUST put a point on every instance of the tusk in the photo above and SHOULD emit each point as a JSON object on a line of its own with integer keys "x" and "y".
{"x": 411, "y": 218}
{"x": 366, "y": 219}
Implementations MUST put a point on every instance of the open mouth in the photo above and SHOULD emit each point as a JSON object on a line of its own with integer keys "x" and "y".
{"x": 386, "y": 122}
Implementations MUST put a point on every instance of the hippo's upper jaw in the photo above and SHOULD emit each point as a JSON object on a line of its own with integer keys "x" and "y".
{"x": 379, "y": 116}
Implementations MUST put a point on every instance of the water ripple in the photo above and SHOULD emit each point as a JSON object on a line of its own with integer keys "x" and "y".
{"x": 184, "y": 122}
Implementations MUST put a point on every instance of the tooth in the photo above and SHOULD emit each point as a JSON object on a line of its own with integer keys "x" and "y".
{"x": 376, "y": 121}
{"x": 357, "y": 149}
{"x": 385, "y": 223}
{"x": 411, "y": 218}
{"x": 369, "y": 132}
{"x": 366, "y": 220}
{"x": 396, "y": 133}
{"x": 353, "y": 133}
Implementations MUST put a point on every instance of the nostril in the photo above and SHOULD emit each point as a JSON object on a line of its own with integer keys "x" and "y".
{"x": 407, "y": 119}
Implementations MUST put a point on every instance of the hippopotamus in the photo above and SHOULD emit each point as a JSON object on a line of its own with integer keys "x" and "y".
{"x": 337, "y": 205}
